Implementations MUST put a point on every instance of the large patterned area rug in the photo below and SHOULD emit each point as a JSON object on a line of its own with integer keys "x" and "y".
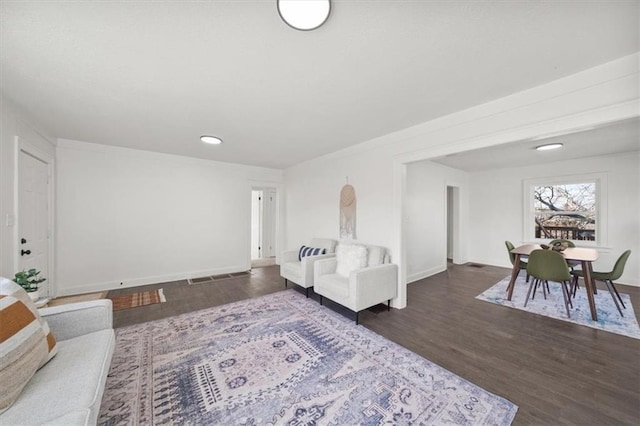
{"x": 281, "y": 359}
{"x": 609, "y": 318}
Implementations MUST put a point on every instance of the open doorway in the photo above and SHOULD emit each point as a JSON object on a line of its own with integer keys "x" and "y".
{"x": 263, "y": 227}
{"x": 453, "y": 223}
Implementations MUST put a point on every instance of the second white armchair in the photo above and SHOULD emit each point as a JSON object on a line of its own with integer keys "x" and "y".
{"x": 360, "y": 276}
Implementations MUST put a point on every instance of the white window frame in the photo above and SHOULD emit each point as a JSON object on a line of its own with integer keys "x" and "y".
{"x": 600, "y": 179}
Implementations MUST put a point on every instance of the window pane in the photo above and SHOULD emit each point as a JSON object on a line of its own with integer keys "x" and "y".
{"x": 566, "y": 211}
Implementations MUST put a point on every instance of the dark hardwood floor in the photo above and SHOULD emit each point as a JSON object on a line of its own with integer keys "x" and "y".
{"x": 556, "y": 372}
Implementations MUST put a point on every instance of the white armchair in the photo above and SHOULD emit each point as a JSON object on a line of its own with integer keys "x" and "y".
{"x": 300, "y": 272}
{"x": 357, "y": 278}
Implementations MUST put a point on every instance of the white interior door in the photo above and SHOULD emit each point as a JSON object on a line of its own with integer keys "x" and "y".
{"x": 256, "y": 224}
{"x": 33, "y": 216}
{"x": 269, "y": 223}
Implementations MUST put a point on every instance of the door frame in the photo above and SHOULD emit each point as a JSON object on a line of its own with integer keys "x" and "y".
{"x": 269, "y": 219}
{"x": 278, "y": 237}
{"x": 454, "y": 215}
{"x": 22, "y": 145}
{"x": 257, "y": 223}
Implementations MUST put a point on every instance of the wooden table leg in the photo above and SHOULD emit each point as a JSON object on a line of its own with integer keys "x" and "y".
{"x": 589, "y": 286}
{"x": 514, "y": 275}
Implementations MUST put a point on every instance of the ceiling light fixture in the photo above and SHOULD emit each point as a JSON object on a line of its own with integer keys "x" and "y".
{"x": 213, "y": 140}
{"x": 304, "y": 15}
{"x": 549, "y": 146}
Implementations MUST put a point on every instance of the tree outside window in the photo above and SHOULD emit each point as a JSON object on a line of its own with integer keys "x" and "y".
{"x": 567, "y": 211}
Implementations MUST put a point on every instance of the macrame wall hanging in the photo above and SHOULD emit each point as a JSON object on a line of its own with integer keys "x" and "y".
{"x": 348, "y": 212}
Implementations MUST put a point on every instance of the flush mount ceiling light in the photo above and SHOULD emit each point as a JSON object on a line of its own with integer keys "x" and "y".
{"x": 304, "y": 15}
{"x": 549, "y": 146}
{"x": 213, "y": 140}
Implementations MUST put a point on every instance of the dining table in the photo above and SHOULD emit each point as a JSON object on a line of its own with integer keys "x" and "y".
{"x": 585, "y": 255}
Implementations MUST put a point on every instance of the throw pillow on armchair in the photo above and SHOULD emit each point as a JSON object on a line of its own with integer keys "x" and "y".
{"x": 350, "y": 257}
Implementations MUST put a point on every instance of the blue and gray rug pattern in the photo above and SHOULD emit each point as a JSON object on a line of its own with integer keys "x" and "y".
{"x": 282, "y": 359}
{"x": 609, "y": 319}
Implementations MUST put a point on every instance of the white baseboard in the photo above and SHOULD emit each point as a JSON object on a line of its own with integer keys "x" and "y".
{"x": 629, "y": 282}
{"x": 114, "y": 285}
{"x": 427, "y": 273}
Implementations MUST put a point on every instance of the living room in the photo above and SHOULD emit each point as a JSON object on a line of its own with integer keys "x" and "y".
{"x": 127, "y": 212}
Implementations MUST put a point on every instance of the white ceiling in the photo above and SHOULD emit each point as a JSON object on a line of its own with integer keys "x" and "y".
{"x": 157, "y": 75}
{"x": 612, "y": 138}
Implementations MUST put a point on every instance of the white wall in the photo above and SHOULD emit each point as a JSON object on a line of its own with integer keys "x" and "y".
{"x": 313, "y": 198}
{"x": 125, "y": 215}
{"x": 497, "y": 206}
{"x": 14, "y": 122}
{"x": 139, "y": 217}
{"x": 426, "y": 217}
{"x": 377, "y": 168}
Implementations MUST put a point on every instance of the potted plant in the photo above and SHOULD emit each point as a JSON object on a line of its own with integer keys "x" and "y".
{"x": 30, "y": 281}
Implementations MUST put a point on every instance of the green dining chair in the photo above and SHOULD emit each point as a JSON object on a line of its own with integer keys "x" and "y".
{"x": 568, "y": 243}
{"x": 607, "y": 277}
{"x": 512, "y": 257}
{"x": 548, "y": 265}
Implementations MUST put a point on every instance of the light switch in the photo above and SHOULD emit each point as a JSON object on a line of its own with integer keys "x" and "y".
{"x": 10, "y": 220}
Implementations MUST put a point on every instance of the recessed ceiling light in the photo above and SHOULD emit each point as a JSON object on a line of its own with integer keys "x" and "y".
{"x": 213, "y": 140}
{"x": 549, "y": 146}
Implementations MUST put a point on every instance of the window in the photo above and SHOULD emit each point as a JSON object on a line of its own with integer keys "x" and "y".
{"x": 565, "y": 207}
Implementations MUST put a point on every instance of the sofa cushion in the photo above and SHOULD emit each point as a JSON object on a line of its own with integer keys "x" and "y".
{"x": 376, "y": 255}
{"x": 325, "y": 243}
{"x": 335, "y": 286}
{"x": 70, "y": 384}
{"x": 350, "y": 257}
{"x": 292, "y": 270}
{"x": 310, "y": 251}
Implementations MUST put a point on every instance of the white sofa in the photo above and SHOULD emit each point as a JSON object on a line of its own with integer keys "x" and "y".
{"x": 68, "y": 389}
{"x": 357, "y": 284}
{"x": 300, "y": 272}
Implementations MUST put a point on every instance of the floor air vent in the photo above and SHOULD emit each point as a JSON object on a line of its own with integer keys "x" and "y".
{"x": 475, "y": 265}
{"x": 218, "y": 277}
{"x": 199, "y": 280}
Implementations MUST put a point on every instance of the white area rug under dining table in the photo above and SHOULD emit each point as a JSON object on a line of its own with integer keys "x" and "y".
{"x": 609, "y": 319}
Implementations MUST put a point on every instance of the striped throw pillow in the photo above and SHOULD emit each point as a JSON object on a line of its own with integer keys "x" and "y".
{"x": 23, "y": 348}
{"x": 310, "y": 251}
{"x": 9, "y": 288}
{"x": 26, "y": 342}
